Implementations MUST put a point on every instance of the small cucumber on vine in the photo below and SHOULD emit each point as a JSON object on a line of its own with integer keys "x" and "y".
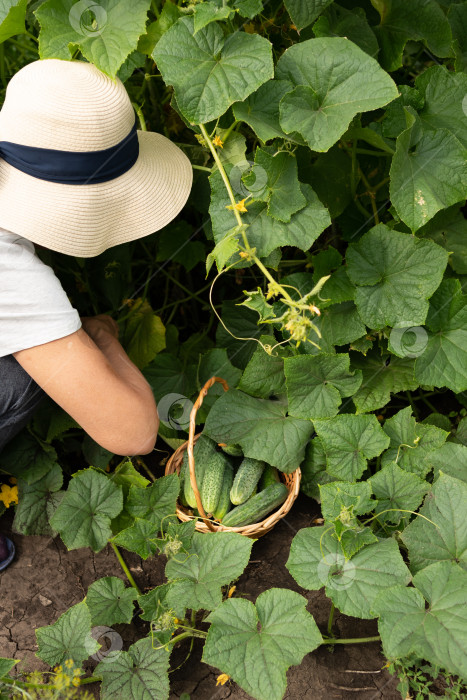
{"x": 254, "y": 510}
{"x": 213, "y": 480}
{"x": 224, "y": 504}
{"x": 269, "y": 476}
{"x": 203, "y": 451}
{"x": 246, "y": 479}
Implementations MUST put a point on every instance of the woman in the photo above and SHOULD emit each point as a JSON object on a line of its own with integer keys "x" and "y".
{"x": 75, "y": 177}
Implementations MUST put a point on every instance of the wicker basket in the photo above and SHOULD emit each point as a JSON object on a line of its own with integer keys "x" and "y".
{"x": 292, "y": 481}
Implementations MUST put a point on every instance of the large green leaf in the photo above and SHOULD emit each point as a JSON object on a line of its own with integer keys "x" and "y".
{"x": 444, "y": 361}
{"x": 141, "y": 673}
{"x": 304, "y": 12}
{"x": 110, "y": 602}
{"x": 383, "y": 374}
{"x": 264, "y": 374}
{"x": 144, "y": 335}
{"x": 83, "y": 516}
{"x": 36, "y": 503}
{"x": 317, "y": 384}
{"x": 12, "y": 14}
{"x": 68, "y": 638}
{"x": 329, "y": 92}
{"x": 353, "y": 24}
{"x": 429, "y": 620}
{"x": 395, "y": 275}
{"x": 256, "y": 644}
{"x": 428, "y": 173}
{"x": 106, "y": 32}
{"x": 264, "y": 232}
{"x": 213, "y": 561}
{"x": 155, "y": 502}
{"x": 261, "y": 109}
{"x": 396, "y": 488}
{"x": 443, "y": 92}
{"x": 445, "y": 538}
{"x": 260, "y": 427}
{"x": 273, "y": 179}
{"x": 418, "y": 19}
{"x": 209, "y": 72}
{"x": 349, "y": 441}
{"x": 411, "y": 443}
{"x": 316, "y": 559}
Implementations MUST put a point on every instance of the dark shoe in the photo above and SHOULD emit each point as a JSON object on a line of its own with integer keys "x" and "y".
{"x": 7, "y": 551}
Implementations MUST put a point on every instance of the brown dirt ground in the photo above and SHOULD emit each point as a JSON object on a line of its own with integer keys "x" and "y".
{"x": 45, "y": 579}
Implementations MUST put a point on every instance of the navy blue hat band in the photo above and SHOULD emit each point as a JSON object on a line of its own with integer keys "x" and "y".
{"x": 73, "y": 167}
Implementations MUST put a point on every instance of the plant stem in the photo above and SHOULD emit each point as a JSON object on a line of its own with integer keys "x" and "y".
{"x": 356, "y": 640}
{"x": 331, "y": 618}
{"x": 228, "y": 187}
{"x": 125, "y": 567}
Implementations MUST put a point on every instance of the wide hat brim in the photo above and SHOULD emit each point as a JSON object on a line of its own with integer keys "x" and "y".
{"x": 84, "y": 220}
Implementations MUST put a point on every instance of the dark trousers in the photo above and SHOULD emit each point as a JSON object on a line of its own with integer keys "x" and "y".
{"x": 19, "y": 398}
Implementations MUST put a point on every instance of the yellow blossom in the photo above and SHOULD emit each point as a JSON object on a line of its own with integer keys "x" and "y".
{"x": 217, "y": 141}
{"x": 222, "y": 679}
{"x": 8, "y": 494}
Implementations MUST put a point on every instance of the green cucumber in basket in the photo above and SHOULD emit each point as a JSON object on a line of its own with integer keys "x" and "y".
{"x": 203, "y": 451}
{"x": 256, "y": 508}
{"x": 224, "y": 504}
{"x": 213, "y": 479}
{"x": 269, "y": 476}
{"x": 246, "y": 479}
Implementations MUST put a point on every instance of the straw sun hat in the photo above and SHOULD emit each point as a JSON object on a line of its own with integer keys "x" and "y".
{"x": 75, "y": 174}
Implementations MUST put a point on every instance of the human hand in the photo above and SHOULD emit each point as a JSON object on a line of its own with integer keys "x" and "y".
{"x": 99, "y": 327}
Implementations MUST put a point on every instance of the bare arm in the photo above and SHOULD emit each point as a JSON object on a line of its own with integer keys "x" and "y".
{"x": 91, "y": 377}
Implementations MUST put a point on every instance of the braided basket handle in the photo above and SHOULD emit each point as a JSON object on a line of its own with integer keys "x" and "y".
{"x": 191, "y": 436}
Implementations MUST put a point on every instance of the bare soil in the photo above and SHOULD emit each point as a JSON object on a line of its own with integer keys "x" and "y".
{"x": 45, "y": 580}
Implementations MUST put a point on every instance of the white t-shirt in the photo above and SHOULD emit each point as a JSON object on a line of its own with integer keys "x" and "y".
{"x": 34, "y": 308}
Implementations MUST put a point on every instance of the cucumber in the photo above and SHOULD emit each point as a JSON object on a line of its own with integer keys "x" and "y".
{"x": 204, "y": 449}
{"x": 246, "y": 478}
{"x": 233, "y": 450}
{"x": 213, "y": 479}
{"x": 254, "y": 510}
{"x": 224, "y": 504}
{"x": 269, "y": 476}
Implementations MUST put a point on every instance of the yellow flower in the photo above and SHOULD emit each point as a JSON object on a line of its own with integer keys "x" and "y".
{"x": 222, "y": 679}
{"x": 217, "y": 141}
{"x": 8, "y": 494}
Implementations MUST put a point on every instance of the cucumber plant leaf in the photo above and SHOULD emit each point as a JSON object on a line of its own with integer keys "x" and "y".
{"x": 383, "y": 374}
{"x": 209, "y": 72}
{"x": 428, "y": 173}
{"x": 317, "y": 384}
{"x": 349, "y": 441}
{"x": 395, "y": 275}
{"x": 109, "y": 601}
{"x": 396, "y": 488}
{"x": 68, "y": 638}
{"x": 260, "y": 427}
{"x": 139, "y": 673}
{"x": 36, "y": 502}
{"x": 304, "y": 12}
{"x": 445, "y": 538}
{"x": 213, "y": 561}
{"x": 155, "y": 502}
{"x": 411, "y": 443}
{"x": 256, "y": 644}
{"x": 316, "y": 559}
{"x": 84, "y": 514}
{"x": 105, "y": 33}
{"x": 328, "y": 91}
{"x": 419, "y": 20}
{"x": 12, "y": 16}
{"x": 444, "y": 361}
{"x": 429, "y": 620}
